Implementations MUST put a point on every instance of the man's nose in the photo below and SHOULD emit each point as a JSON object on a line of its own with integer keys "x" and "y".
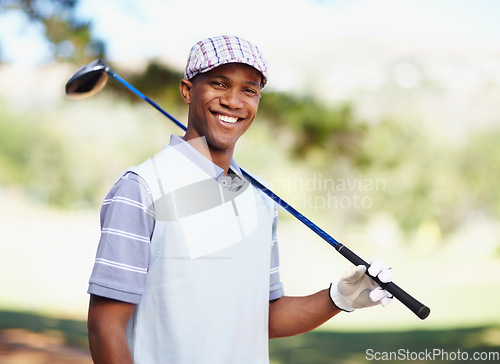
{"x": 232, "y": 99}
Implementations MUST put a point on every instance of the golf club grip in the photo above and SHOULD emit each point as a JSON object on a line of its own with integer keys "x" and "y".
{"x": 419, "y": 309}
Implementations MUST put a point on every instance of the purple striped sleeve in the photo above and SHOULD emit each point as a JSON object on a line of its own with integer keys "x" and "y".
{"x": 123, "y": 255}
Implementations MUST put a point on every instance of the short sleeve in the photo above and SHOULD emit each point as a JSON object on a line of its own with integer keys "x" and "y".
{"x": 123, "y": 254}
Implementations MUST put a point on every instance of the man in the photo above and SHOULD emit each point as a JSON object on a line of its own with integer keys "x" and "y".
{"x": 187, "y": 265}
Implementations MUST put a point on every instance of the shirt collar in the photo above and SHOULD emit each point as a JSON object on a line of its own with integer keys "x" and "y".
{"x": 200, "y": 160}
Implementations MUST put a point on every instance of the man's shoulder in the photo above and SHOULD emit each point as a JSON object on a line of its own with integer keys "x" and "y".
{"x": 130, "y": 186}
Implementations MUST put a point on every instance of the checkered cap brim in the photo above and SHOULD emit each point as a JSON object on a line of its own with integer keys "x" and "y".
{"x": 216, "y": 51}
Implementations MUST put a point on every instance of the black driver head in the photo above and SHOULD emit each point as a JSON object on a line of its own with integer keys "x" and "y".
{"x": 88, "y": 80}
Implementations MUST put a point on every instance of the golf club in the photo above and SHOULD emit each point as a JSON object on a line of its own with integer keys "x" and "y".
{"x": 91, "y": 79}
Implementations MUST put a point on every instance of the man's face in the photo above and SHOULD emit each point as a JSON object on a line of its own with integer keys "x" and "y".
{"x": 223, "y": 103}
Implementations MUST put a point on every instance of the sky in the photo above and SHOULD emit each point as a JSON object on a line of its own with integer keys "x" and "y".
{"x": 153, "y": 28}
{"x": 168, "y": 28}
{"x": 298, "y": 37}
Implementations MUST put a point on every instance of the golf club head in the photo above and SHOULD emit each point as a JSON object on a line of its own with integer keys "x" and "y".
{"x": 88, "y": 80}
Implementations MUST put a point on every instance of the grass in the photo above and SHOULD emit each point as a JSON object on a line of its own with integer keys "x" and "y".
{"x": 321, "y": 347}
{"x": 74, "y": 332}
{"x": 317, "y": 347}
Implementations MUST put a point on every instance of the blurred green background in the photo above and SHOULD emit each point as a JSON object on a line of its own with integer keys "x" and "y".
{"x": 380, "y": 123}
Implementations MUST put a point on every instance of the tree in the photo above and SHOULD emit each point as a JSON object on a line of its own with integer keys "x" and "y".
{"x": 315, "y": 128}
{"x": 69, "y": 36}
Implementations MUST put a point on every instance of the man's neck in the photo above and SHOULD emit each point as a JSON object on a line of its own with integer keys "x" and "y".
{"x": 221, "y": 158}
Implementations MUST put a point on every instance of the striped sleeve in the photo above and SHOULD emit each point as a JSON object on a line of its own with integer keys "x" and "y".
{"x": 276, "y": 287}
{"x": 123, "y": 254}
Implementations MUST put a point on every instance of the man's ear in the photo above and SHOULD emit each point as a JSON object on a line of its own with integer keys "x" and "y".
{"x": 185, "y": 87}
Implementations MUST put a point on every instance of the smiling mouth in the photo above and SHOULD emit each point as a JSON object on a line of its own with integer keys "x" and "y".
{"x": 227, "y": 119}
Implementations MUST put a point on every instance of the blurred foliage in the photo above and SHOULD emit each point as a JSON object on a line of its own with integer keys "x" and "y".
{"x": 313, "y": 129}
{"x": 425, "y": 178}
{"x": 409, "y": 162}
{"x": 428, "y": 179}
{"x": 158, "y": 81}
{"x": 479, "y": 167}
{"x": 74, "y": 332}
{"x": 34, "y": 157}
{"x": 312, "y": 126}
{"x": 70, "y": 37}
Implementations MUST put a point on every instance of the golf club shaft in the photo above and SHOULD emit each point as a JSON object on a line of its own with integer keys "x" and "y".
{"x": 415, "y": 306}
{"x": 144, "y": 97}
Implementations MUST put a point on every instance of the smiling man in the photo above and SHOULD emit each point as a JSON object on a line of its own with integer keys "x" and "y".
{"x": 187, "y": 267}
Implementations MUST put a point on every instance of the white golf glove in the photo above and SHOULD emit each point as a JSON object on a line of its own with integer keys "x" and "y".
{"x": 356, "y": 290}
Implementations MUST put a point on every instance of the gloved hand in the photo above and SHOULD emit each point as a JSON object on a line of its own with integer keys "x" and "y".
{"x": 356, "y": 290}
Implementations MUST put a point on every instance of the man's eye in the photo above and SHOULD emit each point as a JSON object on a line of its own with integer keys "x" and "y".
{"x": 217, "y": 84}
{"x": 250, "y": 91}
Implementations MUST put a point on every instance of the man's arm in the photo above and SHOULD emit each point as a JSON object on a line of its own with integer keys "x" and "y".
{"x": 107, "y": 321}
{"x": 290, "y": 316}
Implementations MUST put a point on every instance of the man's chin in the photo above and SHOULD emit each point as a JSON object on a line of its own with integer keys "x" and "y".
{"x": 222, "y": 144}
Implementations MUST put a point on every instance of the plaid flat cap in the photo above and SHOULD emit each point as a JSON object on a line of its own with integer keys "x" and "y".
{"x": 216, "y": 51}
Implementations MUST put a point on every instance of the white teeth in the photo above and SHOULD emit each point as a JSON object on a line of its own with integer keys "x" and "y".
{"x": 227, "y": 119}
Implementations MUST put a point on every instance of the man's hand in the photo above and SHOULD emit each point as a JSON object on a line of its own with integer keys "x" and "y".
{"x": 356, "y": 290}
